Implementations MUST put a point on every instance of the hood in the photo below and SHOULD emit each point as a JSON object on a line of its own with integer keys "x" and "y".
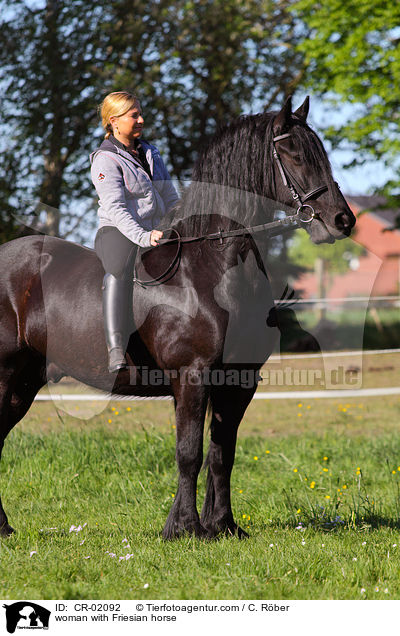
{"x": 110, "y": 147}
{"x": 105, "y": 145}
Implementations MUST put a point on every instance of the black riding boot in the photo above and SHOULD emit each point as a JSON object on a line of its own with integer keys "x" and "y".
{"x": 115, "y": 308}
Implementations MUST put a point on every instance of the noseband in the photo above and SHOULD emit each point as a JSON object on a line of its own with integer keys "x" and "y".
{"x": 288, "y": 179}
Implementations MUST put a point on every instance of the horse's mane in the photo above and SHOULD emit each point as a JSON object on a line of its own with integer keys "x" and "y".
{"x": 234, "y": 174}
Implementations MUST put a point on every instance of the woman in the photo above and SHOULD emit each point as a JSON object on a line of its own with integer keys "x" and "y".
{"x": 135, "y": 191}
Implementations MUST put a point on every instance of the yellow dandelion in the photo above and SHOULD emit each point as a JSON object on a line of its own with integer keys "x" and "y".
{"x": 243, "y": 516}
{"x": 327, "y": 496}
{"x": 299, "y": 414}
{"x": 308, "y": 406}
{"x": 300, "y": 405}
{"x": 109, "y": 421}
{"x": 116, "y": 413}
{"x": 240, "y": 491}
{"x": 128, "y": 408}
{"x": 295, "y": 470}
{"x": 344, "y": 487}
{"x": 393, "y": 472}
{"x": 398, "y": 467}
{"x": 312, "y": 485}
{"x": 248, "y": 517}
{"x": 325, "y": 470}
{"x": 325, "y": 458}
{"x": 267, "y": 452}
{"x": 255, "y": 458}
{"x": 172, "y": 494}
{"x": 298, "y": 511}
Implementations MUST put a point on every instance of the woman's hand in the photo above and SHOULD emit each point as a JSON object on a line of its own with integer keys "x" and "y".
{"x": 154, "y": 237}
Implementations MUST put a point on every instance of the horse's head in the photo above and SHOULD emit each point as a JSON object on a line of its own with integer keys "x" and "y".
{"x": 304, "y": 179}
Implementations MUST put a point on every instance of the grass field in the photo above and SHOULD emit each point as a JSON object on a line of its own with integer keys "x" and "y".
{"x": 315, "y": 484}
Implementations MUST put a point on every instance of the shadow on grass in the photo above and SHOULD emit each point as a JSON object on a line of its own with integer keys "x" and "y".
{"x": 325, "y": 524}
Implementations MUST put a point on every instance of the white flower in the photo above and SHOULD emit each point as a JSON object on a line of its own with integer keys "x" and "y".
{"x": 377, "y": 589}
{"x": 124, "y": 540}
{"x": 386, "y": 590}
{"x": 362, "y": 591}
{"x": 145, "y": 586}
{"x": 82, "y": 542}
{"x": 322, "y": 545}
{"x": 354, "y": 558}
{"x": 364, "y": 543}
{"x": 303, "y": 542}
{"x": 77, "y": 528}
{"x": 271, "y": 545}
{"x": 86, "y": 557}
{"x": 32, "y": 553}
{"x": 394, "y": 545}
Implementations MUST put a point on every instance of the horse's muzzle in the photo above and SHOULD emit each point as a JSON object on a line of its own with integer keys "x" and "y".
{"x": 344, "y": 222}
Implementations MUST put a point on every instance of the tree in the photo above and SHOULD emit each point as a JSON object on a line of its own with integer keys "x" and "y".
{"x": 207, "y": 61}
{"x": 353, "y": 57}
{"x": 194, "y": 64}
{"x": 50, "y": 76}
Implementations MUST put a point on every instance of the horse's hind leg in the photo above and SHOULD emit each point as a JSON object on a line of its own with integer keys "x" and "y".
{"x": 228, "y": 407}
{"x": 190, "y": 410}
{"x": 18, "y": 387}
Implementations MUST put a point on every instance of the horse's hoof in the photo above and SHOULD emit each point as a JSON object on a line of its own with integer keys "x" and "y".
{"x": 230, "y": 530}
{"x": 6, "y": 530}
{"x": 178, "y": 532}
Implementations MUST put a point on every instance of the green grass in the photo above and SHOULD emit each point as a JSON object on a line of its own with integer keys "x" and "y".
{"x": 120, "y": 481}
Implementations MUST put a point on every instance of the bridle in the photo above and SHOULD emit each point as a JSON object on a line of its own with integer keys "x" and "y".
{"x": 288, "y": 181}
{"x": 272, "y": 228}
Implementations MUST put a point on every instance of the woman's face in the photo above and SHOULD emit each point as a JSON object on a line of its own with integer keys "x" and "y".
{"x": 130, "y": 125}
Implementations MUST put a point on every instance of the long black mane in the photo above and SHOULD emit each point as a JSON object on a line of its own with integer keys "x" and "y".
{"x": 234, "y": 174}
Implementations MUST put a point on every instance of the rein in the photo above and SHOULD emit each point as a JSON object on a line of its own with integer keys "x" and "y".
{"x": 273, "y": 228}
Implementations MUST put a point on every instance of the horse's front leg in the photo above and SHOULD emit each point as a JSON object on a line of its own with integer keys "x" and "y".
{"x": 190, "y": 410}
{"x": 229, "y": 405}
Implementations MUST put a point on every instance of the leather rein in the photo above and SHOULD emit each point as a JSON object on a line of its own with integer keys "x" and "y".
{"x": 305, "y": 213}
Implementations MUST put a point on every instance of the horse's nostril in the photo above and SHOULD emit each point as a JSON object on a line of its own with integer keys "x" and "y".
{"x": 343, "y": 221}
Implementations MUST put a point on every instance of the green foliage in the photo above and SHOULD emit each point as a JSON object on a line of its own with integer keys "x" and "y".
{"x": 303, "y": 252}
{"x": 353, "y": 57}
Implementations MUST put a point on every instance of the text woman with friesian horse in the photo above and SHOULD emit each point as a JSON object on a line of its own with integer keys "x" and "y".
{"x": 205, "y": 312}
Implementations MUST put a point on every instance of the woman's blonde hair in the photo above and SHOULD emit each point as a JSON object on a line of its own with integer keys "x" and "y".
{"x": 115, "y": 105}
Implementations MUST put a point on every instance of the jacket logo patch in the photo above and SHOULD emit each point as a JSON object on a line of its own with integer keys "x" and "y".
{"x": 101, "y": 176}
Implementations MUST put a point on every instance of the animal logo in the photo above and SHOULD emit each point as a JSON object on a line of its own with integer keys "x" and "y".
{"x": 26, "y": 615}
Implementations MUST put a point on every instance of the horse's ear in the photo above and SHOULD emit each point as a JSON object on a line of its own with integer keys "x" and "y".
{"x": 302, "y": 111}
{"x": 282, "y": 120}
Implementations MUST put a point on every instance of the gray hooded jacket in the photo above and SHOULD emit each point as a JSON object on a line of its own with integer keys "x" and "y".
{"x": 128, "y": 199}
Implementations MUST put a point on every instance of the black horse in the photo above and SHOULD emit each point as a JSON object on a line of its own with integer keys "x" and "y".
{"x": 201, "y": 336}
